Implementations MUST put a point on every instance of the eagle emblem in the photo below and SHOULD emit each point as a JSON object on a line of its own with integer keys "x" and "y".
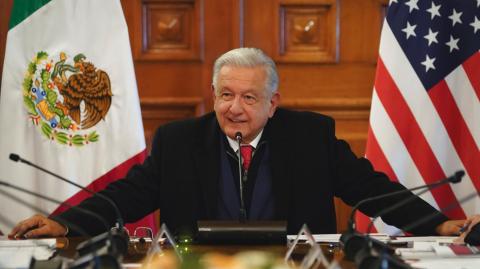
{"x": 66, "y": 97}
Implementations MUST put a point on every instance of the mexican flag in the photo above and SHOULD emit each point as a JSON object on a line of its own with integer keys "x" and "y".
{"x": 68, "y": 103}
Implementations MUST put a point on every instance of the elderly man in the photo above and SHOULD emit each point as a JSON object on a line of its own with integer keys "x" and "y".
{"x": 295, "y": 166}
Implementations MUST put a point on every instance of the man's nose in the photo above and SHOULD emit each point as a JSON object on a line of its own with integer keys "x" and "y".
{"x": 237, "y": 105}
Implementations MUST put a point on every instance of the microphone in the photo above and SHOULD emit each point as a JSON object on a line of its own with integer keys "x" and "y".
{"x": 455, "y": 178}
{"x": 57, "y": 262}
{"x": 115, "y": 248}
{"x": 117, "y": 236}
{"x": 352, "y": 241}
{"x": 241, "y": 231}
{"x": 70, "y": 225}
{"x": 15, "y": 157}
{"x": 368, "y": 256}
{"x": 241, "y": 175}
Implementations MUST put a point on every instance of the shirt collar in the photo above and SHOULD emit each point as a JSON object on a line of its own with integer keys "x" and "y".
{"x": 234, "y": 145}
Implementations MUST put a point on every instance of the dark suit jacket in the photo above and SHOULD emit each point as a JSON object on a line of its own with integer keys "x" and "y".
{"x": 309, "y": 166}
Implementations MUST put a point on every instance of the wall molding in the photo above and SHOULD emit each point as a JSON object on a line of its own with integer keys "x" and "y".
{"x": 339, "y": 108}
{"x": 171, "y": 107}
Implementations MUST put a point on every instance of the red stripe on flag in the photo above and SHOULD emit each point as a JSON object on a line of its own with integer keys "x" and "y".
{"x": 472, "y": 68}
{"x": 376, "y": 156}
{"x": 362, "y": 222}
{"x": 99, "y": 184}
{"x": 414, "y": 140}
{"x": 457, "y": 130}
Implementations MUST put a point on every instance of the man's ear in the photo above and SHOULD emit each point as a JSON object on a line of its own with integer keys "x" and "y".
{"x": 274, "y": 103}
{"x": 213, "y": 92}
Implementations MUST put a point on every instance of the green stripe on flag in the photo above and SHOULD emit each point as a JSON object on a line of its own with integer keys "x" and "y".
{"x": 22, "y": 9}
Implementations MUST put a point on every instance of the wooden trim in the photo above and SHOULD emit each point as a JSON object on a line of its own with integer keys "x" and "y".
{"x": 339, "y": 108}
{"x": 151, "y": 106}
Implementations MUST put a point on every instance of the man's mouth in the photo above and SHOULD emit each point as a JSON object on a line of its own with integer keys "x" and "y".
{"x": 237, "y": 120}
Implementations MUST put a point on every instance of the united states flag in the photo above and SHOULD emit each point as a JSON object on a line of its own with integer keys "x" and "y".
{"x": 424, "y": 122}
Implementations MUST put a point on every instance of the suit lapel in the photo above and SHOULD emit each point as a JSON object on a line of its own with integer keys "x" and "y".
{"x": 207, "y": 160}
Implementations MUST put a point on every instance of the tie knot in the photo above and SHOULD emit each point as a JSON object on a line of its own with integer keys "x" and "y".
{"x": 246, "y": 151}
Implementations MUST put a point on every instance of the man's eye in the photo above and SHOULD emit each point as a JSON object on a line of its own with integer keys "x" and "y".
{"x": 249, "y": 99}
{"x": 226, "y": 95}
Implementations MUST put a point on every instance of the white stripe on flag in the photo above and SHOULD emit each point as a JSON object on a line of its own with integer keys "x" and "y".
{"x": 463, "y": 93}
{"x": 424, "y": 112}
{"x": 394, "y": 149}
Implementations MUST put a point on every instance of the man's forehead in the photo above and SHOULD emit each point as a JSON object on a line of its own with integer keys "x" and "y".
{"x": 242, "y": 73}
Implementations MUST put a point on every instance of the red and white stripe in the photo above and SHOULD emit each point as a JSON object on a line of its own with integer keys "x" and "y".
{"x": 418, "y": 136}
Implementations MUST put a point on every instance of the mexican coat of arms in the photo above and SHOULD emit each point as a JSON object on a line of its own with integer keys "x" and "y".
{"x": 66, "y": 98}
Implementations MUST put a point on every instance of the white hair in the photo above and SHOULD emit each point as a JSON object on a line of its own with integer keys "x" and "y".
{"x": 248, "y": 57}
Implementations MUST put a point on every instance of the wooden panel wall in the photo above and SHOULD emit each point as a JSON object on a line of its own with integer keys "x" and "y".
{"x": 326, "y": 52}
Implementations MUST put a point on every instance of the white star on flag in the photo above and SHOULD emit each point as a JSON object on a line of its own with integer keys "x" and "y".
{"x": 428, "y": 63}
{"x": 396, "y": 1}
{"x": 434, "y": 11}
{"x": 412, "y": 4}
{"x": 453, "y": 43}
{"x": 455, "y": 17}
{"x": 475, "y": 24}
{"x": 424, "y": 122}
{"x": 409, "y": 30}
{"x": 431, "y": 37}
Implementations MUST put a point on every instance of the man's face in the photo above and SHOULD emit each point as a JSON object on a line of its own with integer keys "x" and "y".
{"x": 241, "y": 102}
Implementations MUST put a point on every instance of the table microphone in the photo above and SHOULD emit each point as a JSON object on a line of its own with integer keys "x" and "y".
{"x": 241, "y": 174}
{"x": 69, "y": 224}
{"x": 15, "y": 157}
{"x": 104, "y": 260}
{"x": 241, "y": 231}
{"x": 108, "y": 259}
{"x": 352, "y": 241}
{"x": 369, "y": 257}
{"x": 455, "y": 178}
{"x": 115, "y": 247}
{"x": 117, "y": 235}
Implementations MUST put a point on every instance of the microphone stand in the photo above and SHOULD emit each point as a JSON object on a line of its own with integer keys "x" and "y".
{"x": 116, "y": 237}
{"x": 353, "y": 242}
{"x": 18, "y": 200}
{"x": 241, "y": 174}
{"x": 241, "y": 231}
{"x": 120, "y": 224}
{"x": 372, "y": 256}
{"x": 105, "y": 260}
{"x": 453, "y": 179}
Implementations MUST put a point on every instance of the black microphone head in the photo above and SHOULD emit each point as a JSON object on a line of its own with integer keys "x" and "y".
{"x": 238, "y": 136}
{"x": 14, "y": 157}
{"x": 457, "y": 177}
{"x": 352, "y": 243}
{"x": 119, "y": 242}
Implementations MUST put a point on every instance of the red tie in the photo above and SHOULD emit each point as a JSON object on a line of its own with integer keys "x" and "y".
{"x": 246, "y": 151}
